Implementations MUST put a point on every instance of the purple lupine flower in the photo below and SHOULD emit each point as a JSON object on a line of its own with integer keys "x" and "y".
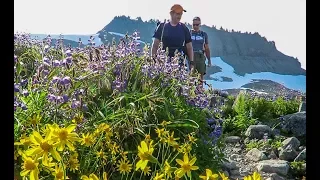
{"x": 16, "y": 88}
{"x": 55, "y": 79}
{"x": 45, "y": 72}
{"x": 69, "y": 60}
{"x": 15, "y": 58}
{"x": 51, "y": 98}
{"x": 75, "y": 104}
{"x": 59, "y": 99}
{"x": 66, "y": 80}
{"x": 25, "y": 92}
{"x": 23, "y": 82}
{"x": 65, "y": 98}
{"x": 85, "y": 107}
{"x": 68, "y": 53}
{"x": 56, "y": 63}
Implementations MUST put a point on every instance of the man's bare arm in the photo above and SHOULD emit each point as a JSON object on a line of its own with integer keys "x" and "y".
{"x": 207, "y": 52}
{"x": 190, "y": 53}
{"x": 155, "y": 46}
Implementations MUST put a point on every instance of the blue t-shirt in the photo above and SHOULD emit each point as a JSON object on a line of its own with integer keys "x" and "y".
{"x": 199, "y": 38}
{"x": 174, "y": 37}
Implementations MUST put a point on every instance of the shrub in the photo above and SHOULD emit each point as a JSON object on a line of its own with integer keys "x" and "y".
{"x": 108, "y": 112}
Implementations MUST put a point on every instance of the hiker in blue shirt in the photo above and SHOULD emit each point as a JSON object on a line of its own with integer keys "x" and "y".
{"x": 174, "y": 35}
{"x": 200, "y": 46}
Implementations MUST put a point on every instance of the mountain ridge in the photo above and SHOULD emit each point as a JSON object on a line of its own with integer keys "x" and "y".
{"x": 245, "y": 52}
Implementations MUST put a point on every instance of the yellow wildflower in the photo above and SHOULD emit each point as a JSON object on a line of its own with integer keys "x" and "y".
{"x": 91, "y": 177}
{"x": 165, "y": 123}
{"x": 146, "y": 171}
{"x": 87, "y": 140}
{"x": 124, "y": 166}
{"x": 65, "y": 136}
{"x": 158, "y": 177}
{"x": 78, "y": 119}
{"x": 168, "y": 169}
{"x": 41, "y": 147}
{"x": 209, "y": 175}
{"x": 186, "y": 166}
{"x": 73, "y": 162}
{"x": 30, "y": 167}
{"x": 59, "y": 173}
{"x": 171, "y": 140}
{"x": 35, "y": 119}
{"x": 191, "y": 138}
{"x": 101, "y": 154}
{"x": 145, "y": 154}
{"x": 24, "y": 140}
{"x": 223, "y": 176}
{"x": 124, "y": 154}
{"x": 104, "y": 176}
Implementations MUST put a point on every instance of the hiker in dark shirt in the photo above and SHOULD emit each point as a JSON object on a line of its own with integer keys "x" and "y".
{"x": 200, "y": 46}
{"x": 174, "y": 35}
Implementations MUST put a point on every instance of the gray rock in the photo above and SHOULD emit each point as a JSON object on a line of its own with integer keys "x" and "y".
{"x": 229, "y": 165}
{"x": 280, "y": 167}
{"x": 256, "y": 155}
{"x": 234, "y": 172}
{"x": 257, "y": 131}
{"x": 272, "y": 155}
{"x": 295, "y": 124}
{"x": 301, "y": 156}
{"x": 292, "y": 141}
{"x": 275, "y": 176}
{"x": 287, "y": 154}
{"x": 235, "y": 157}
{"x": 233, "y": 139}
{"x": 301, "y": 148}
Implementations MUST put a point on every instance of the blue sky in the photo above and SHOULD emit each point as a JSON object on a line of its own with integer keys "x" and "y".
{"x": 282, "y": 21}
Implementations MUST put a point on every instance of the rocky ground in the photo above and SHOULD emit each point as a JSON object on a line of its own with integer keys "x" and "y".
{"x": 273, "y": 163}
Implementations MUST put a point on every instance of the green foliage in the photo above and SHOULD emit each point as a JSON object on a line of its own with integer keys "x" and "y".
{"x": 255, "y": 144}
{"x": 243, "y": 111}
{"x": 297, "y": 169}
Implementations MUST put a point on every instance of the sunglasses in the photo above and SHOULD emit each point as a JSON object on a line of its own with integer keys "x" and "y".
{"x": 196, "y": 24}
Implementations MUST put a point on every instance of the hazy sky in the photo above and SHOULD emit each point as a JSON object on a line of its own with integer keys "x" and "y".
{"x": 282, "y": 21}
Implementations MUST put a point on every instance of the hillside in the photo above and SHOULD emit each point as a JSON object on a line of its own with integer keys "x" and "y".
{"x": 268, "y": 87}
{"x": 245, "y": 52}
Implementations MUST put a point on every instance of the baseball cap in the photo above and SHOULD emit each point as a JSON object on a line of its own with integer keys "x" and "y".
{"x": 177, "y": 8}
{"x": 197, "y": 18}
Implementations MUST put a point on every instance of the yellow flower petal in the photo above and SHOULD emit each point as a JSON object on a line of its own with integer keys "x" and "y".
{"x": 144, "y": 146}
{"x": 179, "y": 172}
{"x": 194, "y": 167}
{"x": 93, "y": 177}
{"x": 71, "y": 127}
{"x": 55, "y": 154}
{"x": 33, "y": 151}
{"x": 185, "y": 158}
{"x": 34, "y": 175}
{"x": 208, "y": 172}
{"x": 24, "y": 172}
{"x": 180, "y": 162}
{"x": 193, "y": 160}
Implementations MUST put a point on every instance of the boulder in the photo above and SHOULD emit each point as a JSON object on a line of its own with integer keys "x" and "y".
{"x": 280, "y": 167}
{"x": 232, "y": 139}
{"x": 294, "y": 124}
{"x": 275, "y": 176}
{"x": 292, "y": 141}
{"x": 256, "y": 155}
{"x": 287, "y": 153}
{"x": 257, "y": 131}
{"x": 229, "y": 165}
{"x": 301, "y": 156}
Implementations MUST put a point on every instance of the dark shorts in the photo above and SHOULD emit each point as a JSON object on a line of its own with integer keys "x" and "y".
{"x": 199, "y": 62}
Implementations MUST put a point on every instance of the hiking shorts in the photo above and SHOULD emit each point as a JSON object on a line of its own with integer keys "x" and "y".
{"x": 199, "y": 62}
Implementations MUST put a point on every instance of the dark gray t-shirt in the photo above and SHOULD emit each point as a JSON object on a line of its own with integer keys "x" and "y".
{"x": 198, "y": 40}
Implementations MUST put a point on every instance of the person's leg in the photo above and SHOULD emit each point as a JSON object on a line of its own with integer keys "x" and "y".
{"x": 201, "y": 66}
